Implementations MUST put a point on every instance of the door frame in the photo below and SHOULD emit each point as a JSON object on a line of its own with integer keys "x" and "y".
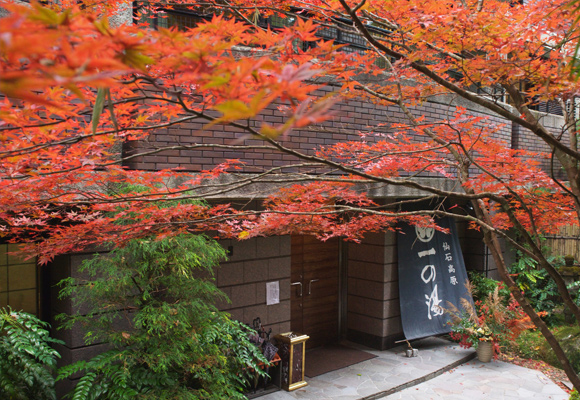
{"x": 342, "y": 292}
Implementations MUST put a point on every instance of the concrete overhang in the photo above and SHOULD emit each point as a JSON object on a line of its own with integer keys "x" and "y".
{"x": 257, "y": 187}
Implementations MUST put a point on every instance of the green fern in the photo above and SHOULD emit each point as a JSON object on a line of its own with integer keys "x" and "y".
{"x": 27, "y": 362}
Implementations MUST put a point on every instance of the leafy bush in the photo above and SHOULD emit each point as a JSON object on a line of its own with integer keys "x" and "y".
{"x": 539, "y": 288}
{"x": 574, "y": 395}
{"x": 482, "y": 287}
{"x": 27, "y": 361}
{"x": 153, "y": 301}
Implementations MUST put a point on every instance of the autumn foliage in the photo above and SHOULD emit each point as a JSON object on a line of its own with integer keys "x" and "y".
{"x": 76, "y": 89}
{"x": 67, "y": 110}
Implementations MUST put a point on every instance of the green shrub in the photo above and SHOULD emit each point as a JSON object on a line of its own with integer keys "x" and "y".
{"x": 538, "y": 287}
{"x": 574, "y": 395}
{"x": 27, "y": 361}
{"x": 482, "y": 288}
{"x": 153, "y": 302}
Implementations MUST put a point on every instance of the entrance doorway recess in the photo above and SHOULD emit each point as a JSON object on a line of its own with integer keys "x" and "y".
{"x": 314, "y": 289}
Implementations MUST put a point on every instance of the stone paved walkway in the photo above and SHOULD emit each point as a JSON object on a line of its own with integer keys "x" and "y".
{"x": 475, "y": 380}
{"x": 442, "y": 370}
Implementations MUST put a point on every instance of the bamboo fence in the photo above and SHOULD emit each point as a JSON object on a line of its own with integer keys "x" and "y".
{"x": 567, "y": 241}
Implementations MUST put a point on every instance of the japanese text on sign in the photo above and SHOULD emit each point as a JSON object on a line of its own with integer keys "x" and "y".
{"x": 429, "y": 273}
{"x": 450, "y": 268}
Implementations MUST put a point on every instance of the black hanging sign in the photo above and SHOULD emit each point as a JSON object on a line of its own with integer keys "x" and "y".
{"x": 431, "y": 275}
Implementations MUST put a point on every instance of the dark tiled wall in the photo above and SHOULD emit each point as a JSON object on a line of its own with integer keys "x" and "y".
{"x": 373, "y": 291}
{"x": 243, "y": 279}
{"x": 18, "y": 280}
{"x": 74, "y": 348}
{"x": 473, "y": 248}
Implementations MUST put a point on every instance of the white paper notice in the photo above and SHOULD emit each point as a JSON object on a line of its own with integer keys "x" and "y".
{"x": 272, "y": 293}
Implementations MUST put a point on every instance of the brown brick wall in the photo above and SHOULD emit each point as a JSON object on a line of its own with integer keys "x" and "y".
{"x": 351, "y": 118}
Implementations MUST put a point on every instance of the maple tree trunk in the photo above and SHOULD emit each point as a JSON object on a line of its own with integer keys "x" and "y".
{"x": 493, "y": 244}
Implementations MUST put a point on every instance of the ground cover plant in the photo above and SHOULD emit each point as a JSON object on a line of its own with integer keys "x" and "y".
{"x": 533, "y": 345}
{"x": 527, "y": 343}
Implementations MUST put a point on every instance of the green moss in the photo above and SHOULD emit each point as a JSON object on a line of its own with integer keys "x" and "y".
{"x": 532, "y": 344}
{"x": 529, "y": 345}
{"x": 567, "y": 270}
{"x": 569, "y": 338}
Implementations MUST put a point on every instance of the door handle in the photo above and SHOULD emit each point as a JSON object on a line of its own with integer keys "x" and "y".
{"x": 297, "y": 283}
{"x": 310, "y": 285}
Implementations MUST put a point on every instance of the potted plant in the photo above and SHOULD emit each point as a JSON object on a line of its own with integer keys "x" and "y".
{"x": 485, "y": 324}
{"x": 471, "y": 332}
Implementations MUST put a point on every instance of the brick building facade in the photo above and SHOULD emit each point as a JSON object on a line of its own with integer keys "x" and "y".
{"x": 356, "y": 295}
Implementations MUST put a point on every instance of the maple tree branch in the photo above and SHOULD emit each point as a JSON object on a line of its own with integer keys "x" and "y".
{"x": 240, "y": 14}
{"x": 557, "y": 181}
{"x": 324, "y": 210}
{"x": 359, "y": 5}
{"x": 443, "y": 51}
{"x": 380, "y": 20}
{"x": 78, "y": 138}
{"x": 334, "y": 209}
{"x": 348, "y": 170}
{"x": 532, "y": 125}
{"x": 510, "y": 190}
{"x": 570, "y": 165}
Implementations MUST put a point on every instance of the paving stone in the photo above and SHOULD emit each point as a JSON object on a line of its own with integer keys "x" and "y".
{"x": 471, "y": 380}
